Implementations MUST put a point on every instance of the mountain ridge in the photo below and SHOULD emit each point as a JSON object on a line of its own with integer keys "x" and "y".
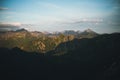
{"x": 95, "y": 58}
{"x": 39, "y": 41}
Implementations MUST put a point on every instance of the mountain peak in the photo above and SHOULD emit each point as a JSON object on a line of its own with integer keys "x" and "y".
{"x": 88, "y": 30}
{"x": 21, "y": 30}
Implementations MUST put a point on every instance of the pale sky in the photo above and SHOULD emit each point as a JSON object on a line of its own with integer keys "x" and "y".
{"x": 58, "y": 15}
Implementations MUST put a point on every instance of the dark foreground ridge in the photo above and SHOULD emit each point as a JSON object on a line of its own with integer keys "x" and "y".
{"x": 86, "y": 59}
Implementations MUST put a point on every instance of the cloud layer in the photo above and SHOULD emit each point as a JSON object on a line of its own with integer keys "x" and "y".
{"x": 3, "y": 8}
{"x": 9, "y": 26}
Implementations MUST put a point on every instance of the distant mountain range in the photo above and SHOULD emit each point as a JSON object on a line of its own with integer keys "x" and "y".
{"x": 40, "y": 41}
{"x": 66, "y": 32}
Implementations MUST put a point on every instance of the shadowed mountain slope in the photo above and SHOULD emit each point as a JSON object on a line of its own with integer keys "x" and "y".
{"x": 96, "y": 58}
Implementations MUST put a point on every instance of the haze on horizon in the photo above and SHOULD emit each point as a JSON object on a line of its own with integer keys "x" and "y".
{"x": 57, "y": 15}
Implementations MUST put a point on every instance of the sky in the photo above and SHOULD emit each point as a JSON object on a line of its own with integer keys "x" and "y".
{"x": 57, "y": 15}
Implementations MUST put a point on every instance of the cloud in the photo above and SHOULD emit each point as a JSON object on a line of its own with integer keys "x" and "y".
{"x": 12, "y": 24}
{"x": 3, "y": 8}
{"x": 49, "y": 5}
{"x": 9, "y": 26}
{"x": 116, "y": 7}
{"x": 85, "y": 20}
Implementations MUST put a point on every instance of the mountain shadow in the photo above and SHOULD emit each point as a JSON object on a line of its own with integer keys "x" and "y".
{"x": 86, "y": 59}
{"x": 100, "y": 55}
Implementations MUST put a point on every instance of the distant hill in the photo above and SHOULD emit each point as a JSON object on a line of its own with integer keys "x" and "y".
{"x": 70, "y": 32}
{"x": 87, "y": 34}
{"x": 21, "y": 30}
